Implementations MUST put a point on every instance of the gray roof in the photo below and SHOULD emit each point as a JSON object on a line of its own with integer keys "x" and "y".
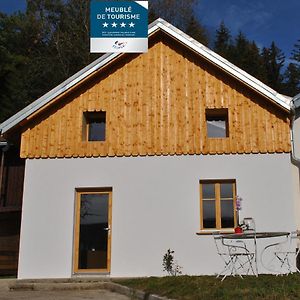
{"x": 160, "y": 24}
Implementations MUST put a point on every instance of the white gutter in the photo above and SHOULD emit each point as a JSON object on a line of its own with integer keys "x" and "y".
{"x": 295, "y": 103}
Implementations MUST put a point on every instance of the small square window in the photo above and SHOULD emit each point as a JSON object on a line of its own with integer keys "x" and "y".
{"x": 217, "y": 123}
{"x": 94, "y": 124}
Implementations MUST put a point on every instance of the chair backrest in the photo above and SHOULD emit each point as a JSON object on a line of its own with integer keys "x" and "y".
{"x": 218, "y": 242}
{"x": 249, "y": 225}
{"x": 293, "y": 236}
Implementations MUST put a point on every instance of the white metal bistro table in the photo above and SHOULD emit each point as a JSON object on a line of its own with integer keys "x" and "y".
{"x": 255, "y": 236}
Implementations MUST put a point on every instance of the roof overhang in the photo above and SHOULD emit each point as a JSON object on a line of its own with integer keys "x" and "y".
{"x": 280, "y": 100}
{"x": 296, "y": 101}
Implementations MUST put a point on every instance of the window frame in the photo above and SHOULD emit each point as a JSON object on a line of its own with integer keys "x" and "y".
{"x": 222, "y": 114}
{"x": 217, "y": 183}
{"x": 87, "y": 117}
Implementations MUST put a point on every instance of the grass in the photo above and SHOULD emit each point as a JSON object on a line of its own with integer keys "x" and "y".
{"x": 264, "y": 287}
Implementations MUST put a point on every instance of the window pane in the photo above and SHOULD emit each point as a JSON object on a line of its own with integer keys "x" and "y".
{"x": 216, "y": 128}
{"x": 208, "y": 190}
{"x": 209, "y": 214}
{"x": 96, "y": 130}
{"x": 226, "y": 190}
{"x": 227, "y": 214}
{"x": 93, "y": 236}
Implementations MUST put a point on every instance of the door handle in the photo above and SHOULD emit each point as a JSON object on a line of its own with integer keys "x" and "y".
{"x": 106, "y": 228}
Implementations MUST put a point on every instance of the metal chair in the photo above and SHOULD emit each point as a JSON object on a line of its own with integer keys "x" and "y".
{"x": 237, "y": 258}
{"x": 223, "y": 252}
{"x": 249, "y": 227}
{"x": 286, "y": 254}
{"x": 242, "y": 259}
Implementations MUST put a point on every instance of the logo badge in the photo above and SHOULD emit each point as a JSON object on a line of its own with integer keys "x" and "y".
{"x": 119, "y": 26}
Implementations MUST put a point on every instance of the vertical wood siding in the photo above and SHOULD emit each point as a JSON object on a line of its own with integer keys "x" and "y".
{"x": 155, "y": 105}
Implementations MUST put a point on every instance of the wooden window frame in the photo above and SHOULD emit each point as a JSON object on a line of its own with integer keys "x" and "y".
{"x": 86, "y": 120}
{"x": 222, "y": 114}
{"x": 217, "y": 188}
{"x": 79, "y": 192}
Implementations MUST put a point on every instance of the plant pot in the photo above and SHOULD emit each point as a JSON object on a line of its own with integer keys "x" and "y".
{"x": 238, "y": 230}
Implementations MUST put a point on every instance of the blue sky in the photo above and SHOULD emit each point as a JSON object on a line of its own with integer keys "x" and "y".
{"x": 10, "y": 6}
{"x": 261, "y": 20}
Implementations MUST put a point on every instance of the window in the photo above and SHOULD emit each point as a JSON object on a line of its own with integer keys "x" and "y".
{"x": 217, "y": 203}
{"x": 94, "y": 124}
{"x": 217, "y": 123}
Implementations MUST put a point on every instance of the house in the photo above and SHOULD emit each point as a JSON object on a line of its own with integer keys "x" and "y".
{"x": 139, "y": 153}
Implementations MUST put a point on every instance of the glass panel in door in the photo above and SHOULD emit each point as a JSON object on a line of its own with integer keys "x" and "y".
{"x": 94, "y": 233}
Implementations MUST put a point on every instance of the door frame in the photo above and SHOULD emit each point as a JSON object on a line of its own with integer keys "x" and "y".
{"x": 79, "y": 192}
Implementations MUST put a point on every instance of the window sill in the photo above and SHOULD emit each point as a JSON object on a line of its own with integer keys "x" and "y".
{"x": 93, "y": 141}
{"x": 210, "y": 232}
{"x": 218, "y": 138}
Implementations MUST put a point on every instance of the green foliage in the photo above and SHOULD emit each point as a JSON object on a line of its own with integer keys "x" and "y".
{"x": 296, "y": 52}
{"x": 40, "y": 48}
{"x": 266, "y": 65}
{"x": 292, "y": 74}
{"x": 273, "y": 59}
{"x": 181, "y": 14}
{"x": 292, "y": 83}
{"x": 169, "y": 265}
{"x": 245, "y": 54}
{"x": 196, "y": 31}
{"x": 223, "y": 41}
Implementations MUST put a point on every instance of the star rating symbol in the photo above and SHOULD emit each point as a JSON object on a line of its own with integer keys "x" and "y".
{"x": 123, "y": 24}
{"x": 131, "y": 24}
{"x": 105, "y": 25}
{"x": 114, "y": 24}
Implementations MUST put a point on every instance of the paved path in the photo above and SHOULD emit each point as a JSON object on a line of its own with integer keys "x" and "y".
{"x": 61, "y": 295}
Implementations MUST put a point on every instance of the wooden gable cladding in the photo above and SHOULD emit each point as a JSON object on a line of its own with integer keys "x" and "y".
{"x": 155, "y": 105}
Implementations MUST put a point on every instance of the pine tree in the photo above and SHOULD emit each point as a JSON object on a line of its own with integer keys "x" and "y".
{"x": 152, "y": 16}
{"x": 222, "y": 40}
{"x": 196, "y": 31}
{"x": 292, "y": 74}
{"x": 179, "y": 13}
{"x": 296, "y": 52}
{"x": 273, "y": 60}
{"x": 255, "y": 62}
{"x": 292, "y": 80}
{"x": 12, "y": 87}
{"x": 239, "y": 51}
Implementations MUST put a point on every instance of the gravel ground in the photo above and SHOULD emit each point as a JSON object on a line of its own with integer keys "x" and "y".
{"x": 61, "y": 295}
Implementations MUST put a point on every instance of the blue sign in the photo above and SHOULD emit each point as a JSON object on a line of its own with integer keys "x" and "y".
{"x": 119, "y": 26}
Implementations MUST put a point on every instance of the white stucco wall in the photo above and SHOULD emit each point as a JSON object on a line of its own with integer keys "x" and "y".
{"x": 155, "y": 207}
